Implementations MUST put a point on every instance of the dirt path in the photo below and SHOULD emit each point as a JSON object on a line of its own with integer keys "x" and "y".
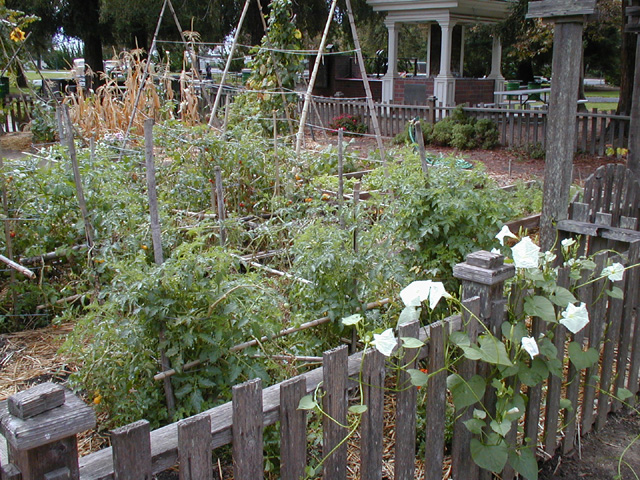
{"x": 602, "y": 453}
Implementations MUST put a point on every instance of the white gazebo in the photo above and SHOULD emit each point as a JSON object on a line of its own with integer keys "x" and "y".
{"x": 447, "y": 14}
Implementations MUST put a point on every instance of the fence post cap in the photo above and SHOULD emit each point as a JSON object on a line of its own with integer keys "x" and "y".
{"x": 65, "y": 420}
{"x": 485, "y": 268}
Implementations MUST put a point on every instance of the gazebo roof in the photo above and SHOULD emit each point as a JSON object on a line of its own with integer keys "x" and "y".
{"x": 464, "y": 11}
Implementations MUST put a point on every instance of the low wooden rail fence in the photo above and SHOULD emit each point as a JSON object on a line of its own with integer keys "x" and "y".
{"x": 595, "y": 131}
{"x": 137, "y": 452}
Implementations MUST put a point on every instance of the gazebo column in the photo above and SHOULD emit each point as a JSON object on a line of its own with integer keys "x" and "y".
{"x": 392, "y": 63}
{"x": 496, "y": 64}
{"x": 444, "y": 84}
{"x": 429, "y": 29}
{"x": 461, "y": 70}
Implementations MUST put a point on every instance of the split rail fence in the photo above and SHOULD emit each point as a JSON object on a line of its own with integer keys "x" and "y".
{"x": 595, "y": 130}
{"x": 45, "y": 443}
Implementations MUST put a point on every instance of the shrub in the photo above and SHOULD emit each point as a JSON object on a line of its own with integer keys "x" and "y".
{"x": 442, "y": 132}
{"x": 463, "y": 137}
{"x": 350, "y": 123}
{"x": 486, "y": 134}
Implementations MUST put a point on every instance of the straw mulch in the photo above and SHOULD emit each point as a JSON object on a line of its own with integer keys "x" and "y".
{"x": 18, "y": 141}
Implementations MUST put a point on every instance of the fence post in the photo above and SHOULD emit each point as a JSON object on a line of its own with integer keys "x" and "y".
{"x": 483, "y": 275}
{"x": 40, "y": 425}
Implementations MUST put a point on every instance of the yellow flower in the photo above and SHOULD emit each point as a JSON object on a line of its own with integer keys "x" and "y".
{"x": 298, "y": 34}
{"x": 17, "y": 35}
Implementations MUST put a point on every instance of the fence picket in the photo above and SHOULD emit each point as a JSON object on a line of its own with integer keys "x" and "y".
{"x": 404, "y": 464}
{"x": 293, "y": 429}
{"x": 461, "y": 443}
{"x": 554, "y": 383}
{"x": 132, "y": 451}
{"x": 595, "y": 330}
{"x": 436, "y": 403}
{"x": 246, "y": 430}
{"x": 194, "y": 452}
{"x": 373, "y": 374}
{"x": 334, "y": 448}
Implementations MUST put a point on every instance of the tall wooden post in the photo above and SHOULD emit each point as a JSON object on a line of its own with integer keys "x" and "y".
{"x": 569, "y": 17}
{"x": 633, "y": 158}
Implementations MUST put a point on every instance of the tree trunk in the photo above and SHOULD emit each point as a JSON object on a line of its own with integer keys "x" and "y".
{"x": 627, "y": 65}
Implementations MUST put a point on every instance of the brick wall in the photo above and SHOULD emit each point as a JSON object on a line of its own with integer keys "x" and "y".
{"x": 474, "y": 91}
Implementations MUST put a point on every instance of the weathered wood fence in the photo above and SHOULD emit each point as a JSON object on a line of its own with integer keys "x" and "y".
{"x": 137, "y": 452}
{"x": 518, "y": 128}
{"x": 15, "y": 112}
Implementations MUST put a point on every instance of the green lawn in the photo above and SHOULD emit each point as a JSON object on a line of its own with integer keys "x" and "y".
{"x": 602, "y": 93}
{"x": 602, "y": 106}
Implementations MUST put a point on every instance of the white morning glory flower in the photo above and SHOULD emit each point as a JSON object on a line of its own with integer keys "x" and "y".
{"x": 614, "y": 272}
{"x": 567, "y": 242}
{"x": 496, "y": 250}
{"x": 417, "y": 292}
{"x": 505, "y": 232}
{"x": 549, "y": 257}
{"x": 385, "y": 342}
{"x": 525, "y": 254}
{"x": 530, "y": 346}
{"x": 575, "y": 318}
{"x": 513, "y": 410}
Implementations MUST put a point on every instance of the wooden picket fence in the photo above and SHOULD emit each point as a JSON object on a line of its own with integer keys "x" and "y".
{"x": 138, "y": 453}
{"x": 16, "y": 112}
{"x": 595, "y": 131}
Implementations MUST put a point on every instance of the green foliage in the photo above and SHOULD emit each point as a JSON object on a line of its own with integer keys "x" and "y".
{"x": 463, "y": 132}
{"x": 436, "y": 224}
{"x": 43, "y": 123}
{"x": 194, "y": 306}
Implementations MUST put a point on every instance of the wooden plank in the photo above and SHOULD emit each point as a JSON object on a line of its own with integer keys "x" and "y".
{"x": 194, "y": 451}
{"x": 36, "y": 400}
{"x": 10, "y": 472}
{"x": 574, "y": 377}
{"x": 373, "y": 373}
{"x": 533, "y": 410}
{"x": 293, "y": 429}
{"x": 595, "y": 331}
{"x": 614, "y": 314}
{"x": 406, "y": 398}
{"x": 436, "y": 404}
{"x": 623, "y": 361}
{"x": 334, "y": 448}
{"x": 246, "y": 428}
{"x": 461, "y": 443}
{"x": 132, "y": 451}
{"x": 554, "y": 384}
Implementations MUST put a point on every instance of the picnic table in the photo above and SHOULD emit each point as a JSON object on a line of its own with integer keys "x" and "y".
{"x": 525, "y": 96}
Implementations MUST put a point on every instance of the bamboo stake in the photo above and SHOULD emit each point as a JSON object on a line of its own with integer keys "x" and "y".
{"x": 221, "y": 210}
{"x": 312, "y": 80}
{"x": 341, "y": 175}
{"x": 18, "y": 267}
{"x": 88, "y": 228}
{"x": 194, "y": 59}
{"x": 287, "y": 331}
{"x": 275, "y": 154}
{"x": 367, "y": 87}
{"x": 228, "y": 64}
{"x": 156, "y": 229}
{"x": 156, "y": 238}
{"x": 423, "y": 155}
{"x": 145, "y": 75}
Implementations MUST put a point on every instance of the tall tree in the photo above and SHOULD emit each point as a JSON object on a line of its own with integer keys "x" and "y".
{"x": 81, "y": 19}
{"x": 627, "y": 62}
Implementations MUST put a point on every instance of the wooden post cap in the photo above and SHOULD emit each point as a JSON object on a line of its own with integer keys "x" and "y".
{"x": 36, "y": 400}
{"x": 58, "y": 423}
{"x": 485, "y": 268}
